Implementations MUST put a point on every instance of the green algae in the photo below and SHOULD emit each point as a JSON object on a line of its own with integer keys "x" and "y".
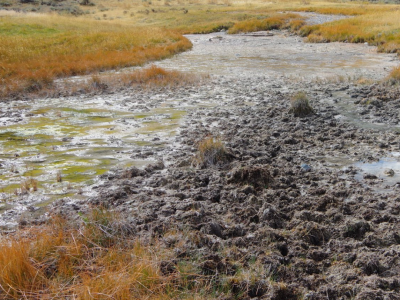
{"x": 156, "y": 126}
{"x": 33, "y": 173}
{"x": 143, "y": 143}
{"x": 77, "y": 143}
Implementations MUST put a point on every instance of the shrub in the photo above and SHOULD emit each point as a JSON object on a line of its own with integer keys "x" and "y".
{"x": 300, "y": 105}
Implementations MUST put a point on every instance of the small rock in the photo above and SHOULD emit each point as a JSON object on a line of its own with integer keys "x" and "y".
{"x": 370, "y": 176}
{"x": 388, "y": 172}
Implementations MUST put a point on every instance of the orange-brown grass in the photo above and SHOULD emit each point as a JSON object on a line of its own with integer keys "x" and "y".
{"x": 394, "y": 75}
{"x": 276, "y": 21}
{"x": 60, "y": 47}
{"x": 344, "y": 10}
{"x": 98, "y": 259}
{"x": 211, "y": 152}
{"x": 149, "y": 77}
{"x": 156, "y": 76}
{"x": 380, "y": 29}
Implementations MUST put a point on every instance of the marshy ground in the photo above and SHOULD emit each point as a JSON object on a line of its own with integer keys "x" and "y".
{"x": 288, "y": 208}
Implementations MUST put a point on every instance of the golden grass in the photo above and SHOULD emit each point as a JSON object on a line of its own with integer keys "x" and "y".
{"x": 394, "y": 75}
{"x": 149, "y": 77}
{"x": 96, "y": 260}
{"x": 211, "y": 152}
{"x": 371, "y": 28}
{"x": 156, "y": 76}
{"x": 38, "y": 49}
{"x": 275, "y": 21}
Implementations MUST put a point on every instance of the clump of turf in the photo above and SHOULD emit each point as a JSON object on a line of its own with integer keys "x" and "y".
{"x": 257, "y": 176}
{"x": 211, "y": 152}
{"x": 300, "y": 106}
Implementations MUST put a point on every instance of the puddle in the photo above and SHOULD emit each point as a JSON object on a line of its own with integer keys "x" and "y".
{"x": 350, "y": 112}
{"x": 381, "y": 170}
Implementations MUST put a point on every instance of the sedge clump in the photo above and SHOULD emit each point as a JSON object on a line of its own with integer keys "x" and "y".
{"x": 211, "y": 152}
{"x": 300, "y": 106}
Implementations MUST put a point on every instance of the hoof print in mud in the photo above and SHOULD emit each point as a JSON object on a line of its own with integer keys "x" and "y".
{"x": 132, "y": 172}
{"x": 356, "y": 229}
{"x": 257, "y": 176}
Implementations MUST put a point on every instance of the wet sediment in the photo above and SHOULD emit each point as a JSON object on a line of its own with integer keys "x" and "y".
{"x": 314, "y": 221}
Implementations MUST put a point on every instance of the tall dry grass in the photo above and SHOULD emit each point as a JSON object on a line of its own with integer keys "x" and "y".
{"x": 36, "y": 50}
{"x": 379, "y": 28}
{"x": 275, "y": 21}
{"x": 99, "y": 259}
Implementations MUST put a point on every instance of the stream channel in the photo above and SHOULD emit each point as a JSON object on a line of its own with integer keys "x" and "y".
{"x": 62, "y": 145}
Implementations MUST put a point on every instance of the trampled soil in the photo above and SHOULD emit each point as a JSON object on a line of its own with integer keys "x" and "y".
{"x": 293, "y": 213}
{"x": 292, "y": 199}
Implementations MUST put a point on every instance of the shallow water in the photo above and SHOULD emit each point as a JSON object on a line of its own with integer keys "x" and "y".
{"x": 64, "y": 148}
{"x": 380, "y": 169}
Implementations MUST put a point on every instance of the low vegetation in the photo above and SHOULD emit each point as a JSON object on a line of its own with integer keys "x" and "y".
{"x": 373, "y": 29}
{"x": 211, "y": 152}
{"x": 98, "y": 257}
{"x": 394, "y": 76}
{"x": 91, "y": 261}
{"x": 146, "y": 77}
{"x": 36, "y": 50}
{"x": 275, "y": 21}
{"x": 300, "y": 106}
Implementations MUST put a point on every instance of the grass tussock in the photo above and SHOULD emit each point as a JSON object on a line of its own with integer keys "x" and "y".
{"x": 300, "y": 106}
{"x": 394, "y": 76}
{"x": 36, "y": 50}
{"x": 211, "y": 152}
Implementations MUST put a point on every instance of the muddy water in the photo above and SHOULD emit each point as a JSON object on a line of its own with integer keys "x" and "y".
{"x": 56, "y": 148}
